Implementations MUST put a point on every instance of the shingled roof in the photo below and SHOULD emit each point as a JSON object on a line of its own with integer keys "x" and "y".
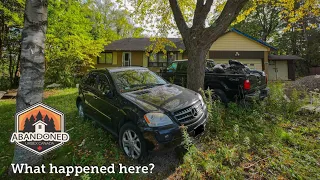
{"x": 140, "y": 44}
{"x": 284, "y": 57}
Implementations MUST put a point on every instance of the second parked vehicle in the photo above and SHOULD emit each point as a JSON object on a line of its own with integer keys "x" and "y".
{"x": 143, "y": 110}
{"x": 233, "y": 81}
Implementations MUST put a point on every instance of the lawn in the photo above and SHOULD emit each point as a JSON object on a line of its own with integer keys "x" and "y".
{"x": 270, "y": 140}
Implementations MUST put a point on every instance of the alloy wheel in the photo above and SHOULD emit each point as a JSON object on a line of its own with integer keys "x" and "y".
{"x": 80, "y": 111}
{"x": 131, "y": 144}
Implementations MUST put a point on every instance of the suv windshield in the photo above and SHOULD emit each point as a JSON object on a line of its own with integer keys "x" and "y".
{"x": 131, "y": 80}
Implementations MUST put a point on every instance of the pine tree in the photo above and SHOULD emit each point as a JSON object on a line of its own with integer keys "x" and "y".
{"x": 39, "y": 116}
{"x": 52, "y": 126}
{"x": 26, "y": 125}
{"x": 32, "y": 121}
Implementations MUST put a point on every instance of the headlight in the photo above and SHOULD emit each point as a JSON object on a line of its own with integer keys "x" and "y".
{"x": 200, "y": 97}
{"x": 157, "y": 119}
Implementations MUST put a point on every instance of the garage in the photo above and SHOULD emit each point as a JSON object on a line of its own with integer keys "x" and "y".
{"x": 239, "y": 46}
{"x": 251, "y": 63}
{"x": 282, "y": 67}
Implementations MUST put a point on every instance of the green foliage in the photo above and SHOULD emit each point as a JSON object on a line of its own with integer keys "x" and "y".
{"x": 70, "y": 46}
{"x": 4, "y": 83}
{"x": 11, "y": 15}
{"x": 77, "y": 32}
{"x": 12, "y": 12}
{"x": 265, "y": 140}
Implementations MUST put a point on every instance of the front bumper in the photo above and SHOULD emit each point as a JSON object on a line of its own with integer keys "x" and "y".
{"x": 166, "y": 138}
{"x": 258, "y": 95}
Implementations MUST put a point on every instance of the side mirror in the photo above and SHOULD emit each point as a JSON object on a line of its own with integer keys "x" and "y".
{"x": 109, "y": 94}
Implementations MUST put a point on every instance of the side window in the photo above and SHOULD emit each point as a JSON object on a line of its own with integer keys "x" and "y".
{"x": 91, "y": 79}
{"x": 183, "y": 66}
{"x": 102, "y": 83}
{"x": 172, "y": 67}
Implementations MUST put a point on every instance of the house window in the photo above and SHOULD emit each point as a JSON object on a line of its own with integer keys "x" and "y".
{"x": 161, "y": 60}
{"x": 39, "y": 126}
{"x": 105, "y": 58}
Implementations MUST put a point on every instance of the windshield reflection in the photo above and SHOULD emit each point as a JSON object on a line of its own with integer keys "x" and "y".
{"x": 131, "y": 80}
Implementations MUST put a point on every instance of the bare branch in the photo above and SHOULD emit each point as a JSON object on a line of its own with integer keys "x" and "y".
{"x": 230, "y": 11}
{"x": 201, "y": 12}
{"x": 178, "y": 17}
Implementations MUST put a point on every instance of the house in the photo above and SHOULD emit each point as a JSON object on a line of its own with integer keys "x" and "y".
{"x": 234, "y": 44}
{"x": 40, "y": 126}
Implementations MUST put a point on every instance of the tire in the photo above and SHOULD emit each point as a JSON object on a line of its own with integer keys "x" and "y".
{"x": 81, "y": 113}
{"x": 135, "y": 147}
{"x": 218, "y": 94}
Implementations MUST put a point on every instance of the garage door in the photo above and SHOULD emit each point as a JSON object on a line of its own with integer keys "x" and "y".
{"x": 278, "y": 70}
{"x": 251, "y": 63}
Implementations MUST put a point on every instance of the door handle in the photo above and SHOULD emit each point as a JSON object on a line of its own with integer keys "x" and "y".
{"x": 95, "y": 97}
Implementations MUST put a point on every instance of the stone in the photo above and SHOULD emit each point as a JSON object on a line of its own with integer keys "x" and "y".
{"x": 54, "y": 85}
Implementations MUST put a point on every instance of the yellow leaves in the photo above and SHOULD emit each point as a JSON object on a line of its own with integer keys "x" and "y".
{"x": 159, "y": 45}
{"x": 242, "y": 16}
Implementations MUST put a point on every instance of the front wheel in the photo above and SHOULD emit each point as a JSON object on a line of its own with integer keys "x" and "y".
{"x": 132, "y": 142}
{"x": 81, "y": 113}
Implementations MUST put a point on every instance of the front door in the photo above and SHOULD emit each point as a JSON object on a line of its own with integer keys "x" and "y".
{"x": 126, "y": 59}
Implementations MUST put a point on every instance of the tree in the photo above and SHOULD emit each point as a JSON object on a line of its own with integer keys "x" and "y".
{"x": 77, "y": 33}
{"x": 39, "y": 116}
{"x": 263, "y": 21}
{"x": 51, "y": 126}
{"x": 197, "y": 37}
{"x": 11, "y": 22}
{"x": 32, "y": 121}
{"x": 26, "y": 125}
{"x": 30, "y": 89}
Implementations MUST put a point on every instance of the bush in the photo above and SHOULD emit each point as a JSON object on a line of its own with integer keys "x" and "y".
{"x": 264, "y": 140}
{"x": 4, "y": 83}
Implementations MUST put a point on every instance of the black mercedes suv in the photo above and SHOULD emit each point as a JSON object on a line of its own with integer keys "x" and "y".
{"x": 141, "y": 109}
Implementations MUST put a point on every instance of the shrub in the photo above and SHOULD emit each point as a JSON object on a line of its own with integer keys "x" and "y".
{"x": 264, "y": 140}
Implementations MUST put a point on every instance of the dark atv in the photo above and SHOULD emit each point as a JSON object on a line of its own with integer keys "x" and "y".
{"x": 233, "y": 81}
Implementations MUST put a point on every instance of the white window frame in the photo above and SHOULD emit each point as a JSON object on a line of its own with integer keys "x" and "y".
{"x": 123, "y": 56}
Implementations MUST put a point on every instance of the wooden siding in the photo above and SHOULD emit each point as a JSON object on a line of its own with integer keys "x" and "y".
{"x": 235, "y": 42}
{"x": 232, "y": 54}
{"x": 145, "y": 60}
{"x": 114, "y": 58}
{"x": 137, "y": 58}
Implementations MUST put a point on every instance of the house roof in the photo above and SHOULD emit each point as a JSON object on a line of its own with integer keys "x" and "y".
{"x": 39, "y": 122}
{"x": 140, "y": 44}
{"x": 283, "y": 57}
{"x": 252, "y": 38}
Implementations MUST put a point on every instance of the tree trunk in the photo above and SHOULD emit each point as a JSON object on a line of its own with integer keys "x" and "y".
{"x": 198, "y": 38}
{"x": 196, "y": 67}
{"x": 31, "y": 83}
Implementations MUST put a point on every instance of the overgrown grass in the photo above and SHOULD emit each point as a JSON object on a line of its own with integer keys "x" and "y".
{"x": 268, "y": 140}
{"x": 88, "y": 145}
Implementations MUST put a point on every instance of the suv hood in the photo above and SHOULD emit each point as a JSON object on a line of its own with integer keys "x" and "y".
{"x": 167, "y": 97}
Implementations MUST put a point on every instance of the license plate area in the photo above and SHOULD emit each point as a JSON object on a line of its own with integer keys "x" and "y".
{"x": 197, "y": 131}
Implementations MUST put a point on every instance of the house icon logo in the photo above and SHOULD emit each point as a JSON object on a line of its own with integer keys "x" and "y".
{"x": 40, "y": 129}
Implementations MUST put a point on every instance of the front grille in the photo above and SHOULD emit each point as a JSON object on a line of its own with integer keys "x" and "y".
{"x": 189, "y": 114}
